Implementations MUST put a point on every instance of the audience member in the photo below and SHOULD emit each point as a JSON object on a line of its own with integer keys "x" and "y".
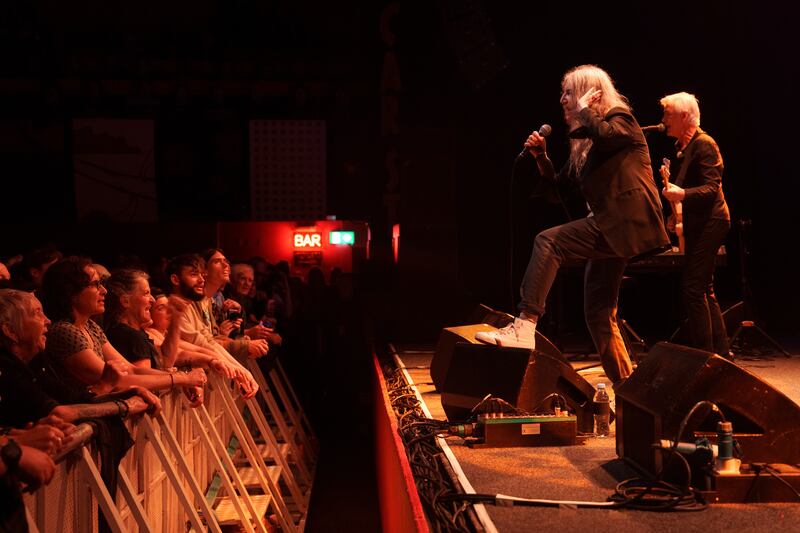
{"x": 187, "y": 277}
{"x": 72, "y": 293}
{"x": 20, "y": 464}
{"x": 35, "y": 421}
{"x": 163, "y": 313}
{"x": 23, "y": 328}
{"x": 217, "y": 275}
{"x": 127, "y": 313}
{"x": 27, "y": 274}
{"x": 243, "y": 291}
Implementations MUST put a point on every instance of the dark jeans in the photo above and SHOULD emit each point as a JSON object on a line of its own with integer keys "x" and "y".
{"x": 703, "y": 316}
{"x": 582, "y": 240}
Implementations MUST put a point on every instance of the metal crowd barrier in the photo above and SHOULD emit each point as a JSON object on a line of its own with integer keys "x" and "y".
{"x": 230, "y": 462}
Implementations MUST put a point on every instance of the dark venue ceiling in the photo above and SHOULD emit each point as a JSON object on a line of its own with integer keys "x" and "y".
{"x": 472, "y": 79}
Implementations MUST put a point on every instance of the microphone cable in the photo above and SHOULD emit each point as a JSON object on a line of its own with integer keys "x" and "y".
{"x": 512, "y": 243}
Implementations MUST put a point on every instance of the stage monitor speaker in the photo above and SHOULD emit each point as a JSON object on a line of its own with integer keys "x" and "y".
{"x": 524, "y": 378}
{"x": 449, "y": 337}
{"x": 654, "y": 400}
{"x": 483, "y": 314}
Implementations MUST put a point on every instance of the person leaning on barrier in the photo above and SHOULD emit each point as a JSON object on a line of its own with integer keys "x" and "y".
{"x": 28, "y": 414}
{"x": 37, "y": 424}
{"x": 38, "y": 419}
{"x": 168, "y": 310}
{"x": 72, "y": 293}
{"x": 217, "y": 275}
{"x": 187, "y": 276}
{"x": 128, "y": 304}
{"x": 20, "y": 464}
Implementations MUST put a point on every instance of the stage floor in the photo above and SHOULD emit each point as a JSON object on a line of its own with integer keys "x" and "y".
{"x": 590, "y": 472}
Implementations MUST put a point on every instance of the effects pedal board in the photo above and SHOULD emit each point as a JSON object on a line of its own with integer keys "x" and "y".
{"x": 530, "y": 430}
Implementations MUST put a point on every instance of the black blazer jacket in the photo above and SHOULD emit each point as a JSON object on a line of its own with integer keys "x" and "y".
{"x": 617, "y": 183}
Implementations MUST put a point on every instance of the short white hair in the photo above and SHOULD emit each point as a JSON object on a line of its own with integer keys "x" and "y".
{"x": 684, "y": 102}
{"x": 14, "y": 306}
{"x": 239, "y": 268}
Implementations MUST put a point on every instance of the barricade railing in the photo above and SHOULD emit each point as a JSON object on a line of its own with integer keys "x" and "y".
{"x": 199, "y": 469}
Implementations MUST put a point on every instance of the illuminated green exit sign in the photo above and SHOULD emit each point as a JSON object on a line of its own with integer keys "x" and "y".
{"x": 343, "y": 237}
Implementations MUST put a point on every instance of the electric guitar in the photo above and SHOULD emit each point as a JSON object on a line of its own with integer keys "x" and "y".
{"x": 677, "y": 207}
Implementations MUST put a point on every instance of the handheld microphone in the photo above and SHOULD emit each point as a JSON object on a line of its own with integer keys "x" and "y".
{"x": 544, "y": 131}
{"x": 649, "y": 129}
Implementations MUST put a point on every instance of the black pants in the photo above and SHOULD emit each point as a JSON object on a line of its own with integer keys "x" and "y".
{"x": 578, "y": 240}
{"x": 703, "y": 316}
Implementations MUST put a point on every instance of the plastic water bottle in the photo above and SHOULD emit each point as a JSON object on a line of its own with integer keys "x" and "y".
{"x": 602, "y": 411}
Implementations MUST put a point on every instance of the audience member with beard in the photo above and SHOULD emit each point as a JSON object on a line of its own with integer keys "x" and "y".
{"x": 187, "y": 276}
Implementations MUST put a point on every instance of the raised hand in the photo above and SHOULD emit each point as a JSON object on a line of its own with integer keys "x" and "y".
{"x": 590, "y": 97}
{"x": 535, "y": 144}
{"x": 176, "y": 307}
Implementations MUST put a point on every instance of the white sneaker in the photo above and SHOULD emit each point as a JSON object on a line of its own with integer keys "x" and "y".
{"x": 519, "y": 334}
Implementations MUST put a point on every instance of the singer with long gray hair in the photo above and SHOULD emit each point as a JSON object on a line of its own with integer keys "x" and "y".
{"x": 610, "y": 162}
{"x": 695, "y": 180}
